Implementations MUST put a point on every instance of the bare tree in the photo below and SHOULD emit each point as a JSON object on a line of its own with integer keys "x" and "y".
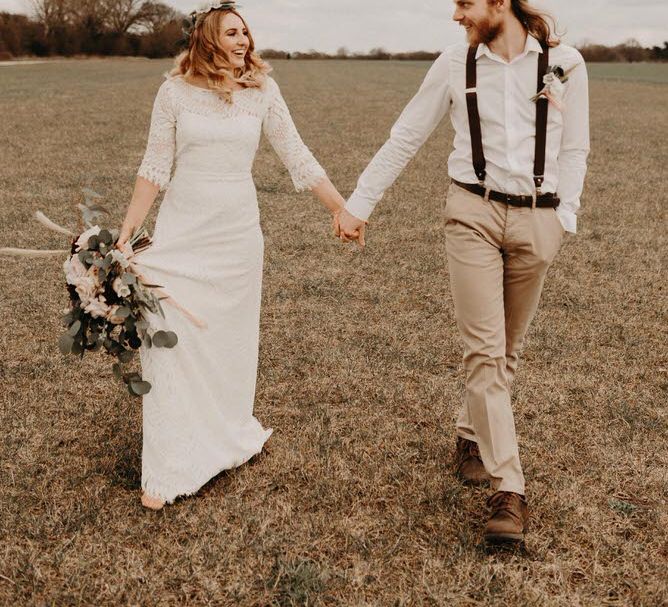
{"x": 89, "y": 15}
{"x": 52, "y": 14}
{"x": 155, "y": 16}
{"x": 121, "y": 15}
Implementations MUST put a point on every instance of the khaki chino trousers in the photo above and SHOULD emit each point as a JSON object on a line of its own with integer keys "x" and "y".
{"x": 498, "y": 257}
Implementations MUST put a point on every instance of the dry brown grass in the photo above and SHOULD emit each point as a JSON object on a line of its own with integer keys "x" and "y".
{"x": 354, "y": 503}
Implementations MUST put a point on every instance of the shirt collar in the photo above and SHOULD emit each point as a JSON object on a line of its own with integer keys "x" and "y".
{"x": 531, "y": 44}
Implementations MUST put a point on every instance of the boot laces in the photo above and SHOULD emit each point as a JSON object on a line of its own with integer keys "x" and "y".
{"x": 505, "y": 501}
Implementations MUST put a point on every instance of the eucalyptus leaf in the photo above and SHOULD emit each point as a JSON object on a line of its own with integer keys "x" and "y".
{"x": 160, "y": 339}
{"x": 104, "y": 235}
{"x": 74, "y": 329}
{"x": 129, "y": 279}
{"x": 140, "y": 387}
{"x": 123, "y": 312}
{"x": 172, "y": 339}
{"x": 77, "y": 348}
{"x": 117, "y": 371}
{"x": 93, "y": 242}
{"x": 126, "y": 356}
{"x": 65, "y": 343}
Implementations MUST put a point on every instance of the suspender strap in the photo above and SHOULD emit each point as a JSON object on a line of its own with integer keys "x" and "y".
{"x": 541, "y": 121}
{"x": 479, "y": 162}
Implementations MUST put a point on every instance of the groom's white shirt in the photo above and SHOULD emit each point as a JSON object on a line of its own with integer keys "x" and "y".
{"x": 508, "y": 128}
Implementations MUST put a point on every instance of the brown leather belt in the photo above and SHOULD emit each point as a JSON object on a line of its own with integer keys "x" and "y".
{"x": 544, "y": 200}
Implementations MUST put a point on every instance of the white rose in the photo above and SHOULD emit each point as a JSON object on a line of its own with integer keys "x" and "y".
{"x": 554, "y": 86}
{"x": 83, "y": 239}
{"x": 122, "y": 290}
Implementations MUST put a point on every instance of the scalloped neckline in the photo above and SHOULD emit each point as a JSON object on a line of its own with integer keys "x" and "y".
{"x": 208, "y": 90}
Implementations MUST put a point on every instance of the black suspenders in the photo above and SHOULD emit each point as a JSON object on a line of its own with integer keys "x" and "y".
{"x": 479, "y": 163}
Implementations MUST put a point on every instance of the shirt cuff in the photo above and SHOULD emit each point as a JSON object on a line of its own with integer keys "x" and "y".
{"x": 358, "y": 207}
{"x": 568, "y": 219}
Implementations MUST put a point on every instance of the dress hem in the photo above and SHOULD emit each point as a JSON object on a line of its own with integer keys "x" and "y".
{"x": 168, "y": 494}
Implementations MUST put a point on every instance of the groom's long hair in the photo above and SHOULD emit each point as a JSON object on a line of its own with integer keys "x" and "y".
{"x": 540, "y": 25}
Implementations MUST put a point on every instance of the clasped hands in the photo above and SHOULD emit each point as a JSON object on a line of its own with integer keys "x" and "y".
{"x": 349, "y": 228}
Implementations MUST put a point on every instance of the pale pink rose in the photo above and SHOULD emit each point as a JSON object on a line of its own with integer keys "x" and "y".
{"x": 83, "y": 239}
{"x": 122, "y": 290}
{"x": 97, "y": 307}
{"x": 74, "y": 270}
{"x": 86, "y": 288}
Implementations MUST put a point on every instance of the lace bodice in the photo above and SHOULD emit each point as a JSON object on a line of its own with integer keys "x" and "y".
{"x": 193, "y": 130}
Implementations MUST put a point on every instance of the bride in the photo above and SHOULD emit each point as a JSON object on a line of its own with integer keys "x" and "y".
{"x": 207, "y": 251}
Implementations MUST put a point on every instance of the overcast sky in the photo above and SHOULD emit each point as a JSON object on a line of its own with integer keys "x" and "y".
{"x": 360, "y": 25}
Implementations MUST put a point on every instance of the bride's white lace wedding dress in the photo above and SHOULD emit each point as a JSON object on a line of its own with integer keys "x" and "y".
{"x": 207, "y": 254}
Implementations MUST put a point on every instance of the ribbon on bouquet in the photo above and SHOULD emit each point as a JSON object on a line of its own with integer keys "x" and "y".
{"x": 51, "y": 225}
{"x": 166, "y": 297}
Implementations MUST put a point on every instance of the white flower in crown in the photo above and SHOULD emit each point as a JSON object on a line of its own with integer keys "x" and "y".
{"x": 212, "y": 5}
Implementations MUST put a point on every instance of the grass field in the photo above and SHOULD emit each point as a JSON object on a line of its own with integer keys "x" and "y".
{"x": 354, "y": 503}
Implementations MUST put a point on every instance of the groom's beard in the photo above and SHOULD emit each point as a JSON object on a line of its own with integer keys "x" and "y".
{"x": 483, "y": 32}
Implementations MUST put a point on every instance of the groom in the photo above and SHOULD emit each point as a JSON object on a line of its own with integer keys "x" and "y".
{"x": 517, "y": 171}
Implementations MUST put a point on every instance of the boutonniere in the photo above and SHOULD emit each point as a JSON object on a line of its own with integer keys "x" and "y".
{"x": 554, "y": 82}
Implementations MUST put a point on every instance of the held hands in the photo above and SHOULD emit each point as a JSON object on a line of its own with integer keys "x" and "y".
{"x": 349, "y": 228}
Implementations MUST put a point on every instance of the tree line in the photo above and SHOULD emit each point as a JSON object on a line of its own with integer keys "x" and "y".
{"x": 91, "y": 27}
{"x": 152, "y": 29}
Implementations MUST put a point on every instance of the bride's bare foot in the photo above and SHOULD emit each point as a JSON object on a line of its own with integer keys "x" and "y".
{"x": 152, "y": 503}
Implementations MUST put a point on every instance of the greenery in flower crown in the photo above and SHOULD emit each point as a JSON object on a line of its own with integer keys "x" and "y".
{"x": 188, "y": 25}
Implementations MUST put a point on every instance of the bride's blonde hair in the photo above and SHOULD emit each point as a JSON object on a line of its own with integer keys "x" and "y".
{"x": 204, "y": 57}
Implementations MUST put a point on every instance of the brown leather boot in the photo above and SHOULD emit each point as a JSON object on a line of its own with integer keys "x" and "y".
{"x": 509, "y": 519}
{"x": 469, "y": 467}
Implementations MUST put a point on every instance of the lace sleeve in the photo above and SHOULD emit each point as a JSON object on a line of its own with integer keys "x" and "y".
{"x": 284, "y": 138}
{"x": 156, "y": 166}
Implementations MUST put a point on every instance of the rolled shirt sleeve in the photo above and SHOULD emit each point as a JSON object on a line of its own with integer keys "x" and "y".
{"x": 416, "y": 123}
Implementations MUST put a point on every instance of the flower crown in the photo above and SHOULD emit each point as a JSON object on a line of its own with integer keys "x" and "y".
{"x": 203, "y": 9}
{"x": 213, "y": 5}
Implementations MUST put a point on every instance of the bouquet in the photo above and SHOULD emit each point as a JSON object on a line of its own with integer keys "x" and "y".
{"x": 109, "y": 299}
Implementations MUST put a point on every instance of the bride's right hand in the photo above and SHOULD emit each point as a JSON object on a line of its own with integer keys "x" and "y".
{"x": 122, "y": 242}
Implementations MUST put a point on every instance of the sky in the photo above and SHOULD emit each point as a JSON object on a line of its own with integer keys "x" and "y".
{"x": 397, "y": 25}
